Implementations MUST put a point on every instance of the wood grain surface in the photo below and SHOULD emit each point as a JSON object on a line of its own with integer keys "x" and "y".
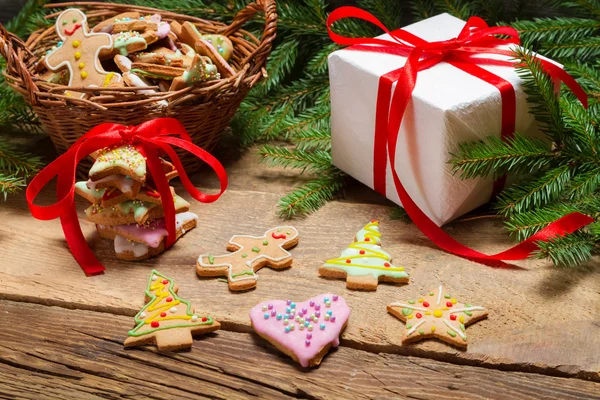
{"x": 541, "y": 319}
{"x": 65, "y": 354}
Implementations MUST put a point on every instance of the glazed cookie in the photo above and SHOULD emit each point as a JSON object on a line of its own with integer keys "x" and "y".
{"x": 156, "y": 71}
{"x": 107, "y": 25}
{"x": 250, "y": 253}
{"x": 129, "y": 24}
{"x": 206, "y": 49}
{"x": 364, "y": 264}
{"x": 189, "y": 34}
{"x": 123, "y": 63}
{"x": 304, "y": 331}
{"x": 113, "y": 196}
{"x": 163, "y": 56}
{"x": 79, "y": 53}
{"x": 123, "y": 160}
{"x": 436, "y": 314}
{"x": 222, "y": 44}
{"x": 167, "y": 321}
{"x": 131, "y": 212}
{"x": 138, "y": 242}
{"x": 129, "y": 42}
{"x": 124, "y": 183}
{"x": 199, "y": 71}
{"x": 94, "y": 196}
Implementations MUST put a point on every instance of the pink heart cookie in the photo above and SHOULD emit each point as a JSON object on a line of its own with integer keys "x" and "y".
{"x": 304, "y": 331}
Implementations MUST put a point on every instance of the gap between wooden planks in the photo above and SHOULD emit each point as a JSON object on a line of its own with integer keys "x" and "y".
{"x": 541, "y": 319}
{"x": 51, "y": 352}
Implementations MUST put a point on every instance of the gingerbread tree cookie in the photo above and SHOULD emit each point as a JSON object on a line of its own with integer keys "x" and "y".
{"x": 364, "y": 264}
{"x": 167, "y": 320}
{"x": 436, "y": 314}
{"x": 250, "y": 253}
{"x": 79, "y": 52}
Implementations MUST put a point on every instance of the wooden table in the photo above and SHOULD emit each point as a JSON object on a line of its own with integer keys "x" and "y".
{"x": 61, "y": 333}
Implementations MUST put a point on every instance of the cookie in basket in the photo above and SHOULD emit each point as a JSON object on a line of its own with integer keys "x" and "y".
{"x": 199, "y": 71}
{"x": 189, "y": 34}
{"x": 79, "y": 53}
{"x": 156, "y": 71}
{"x": 107, "y": 24}
{"x": 204, "y": 48}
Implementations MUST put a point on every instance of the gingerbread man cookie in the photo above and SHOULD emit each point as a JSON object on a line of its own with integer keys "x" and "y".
{"x": 436, "y": 314}
{"x": 250, "y": 253}
{"x": 79, "y": 53}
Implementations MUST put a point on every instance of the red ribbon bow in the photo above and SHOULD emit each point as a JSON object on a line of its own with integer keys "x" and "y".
{"x": 150, "y": 138}
{"x": 463, "y": 52}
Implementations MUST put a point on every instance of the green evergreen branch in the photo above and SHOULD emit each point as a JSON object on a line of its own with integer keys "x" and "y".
{"x": 15, "y": 162}
{"x": 312, "y": 139}
{"x": 307, "y": 161}
{"x": 495, "y": 157}
{"x": 568, "y": 250}
{"x": 10, "y": 184}
{"x": 458, "y": 8}
{"x": 541, "y": 191}
{"x": 588, "y": 77}
{"x": 585, "y": 7}
{"x": 311, "y": 196}
{"x": 582, "y": 49}
{"x": 555, "y": 29}
{"x": 526, "y": 224}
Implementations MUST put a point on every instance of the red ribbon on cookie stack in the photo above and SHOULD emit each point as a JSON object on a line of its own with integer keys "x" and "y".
{"x": 150, "y": 138}
{"x": 463, "y": 52}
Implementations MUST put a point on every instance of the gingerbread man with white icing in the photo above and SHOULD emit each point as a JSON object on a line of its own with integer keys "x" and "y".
{"x": 79, "y": 52}
{"x": 250, "y": 253}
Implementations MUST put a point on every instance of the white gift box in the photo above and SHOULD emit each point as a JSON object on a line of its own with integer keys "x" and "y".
{"x": 448, "y": 106}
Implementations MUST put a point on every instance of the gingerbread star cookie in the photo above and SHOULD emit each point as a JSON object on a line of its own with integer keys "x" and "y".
{"x": 436, "y": 314}
{"x": 250, "y": 253}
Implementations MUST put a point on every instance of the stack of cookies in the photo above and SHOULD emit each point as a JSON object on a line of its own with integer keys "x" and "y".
{"x": 134, "y": 50}
{"x": 126, "y": 207}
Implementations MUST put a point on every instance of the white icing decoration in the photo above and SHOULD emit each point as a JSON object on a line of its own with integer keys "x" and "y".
{"x": 474, "y": 308}
{"x": 408, "y": 306}
{"x": 173, "y": 310}
{"x": 194, "y": 318}
{"x": 142, "y": 315}
{"x": 415, "y": 327}
{"x": 122, "y": 245}
{"x": 462, "y": 335}
{"x": 439, "y": 296}
{"x": 249, "y": 262}
{"x": 154, "y": 277}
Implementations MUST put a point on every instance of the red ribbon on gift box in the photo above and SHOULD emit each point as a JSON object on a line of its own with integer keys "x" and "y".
{"x": 463, "y": 52}
{"x": 150, "y": 138}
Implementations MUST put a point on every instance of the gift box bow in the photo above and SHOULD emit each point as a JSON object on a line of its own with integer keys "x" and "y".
{"x": 151, "y": 139}
{"x": 463, "y": 52}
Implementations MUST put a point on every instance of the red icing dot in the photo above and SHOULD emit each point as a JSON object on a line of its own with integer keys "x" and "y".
{"x": 165, "y": 282}
{"x": 204, "y": 319}
{"x": 154, "y": 324}
{"x": 386, "y": 264}
{"x": 452, "y": 317}
{"x": 448, "y": 304}
{"x": 425, "y": 304}
{"x": 169, "y": 299}
{"x": 362, "y": 252}
{"x": 374, "y": 221}
{"x": 348, "y": 261}
{"x": 367, "y": 239}
{"x": 419, "y": 315}
{"x": 163, "y": 314}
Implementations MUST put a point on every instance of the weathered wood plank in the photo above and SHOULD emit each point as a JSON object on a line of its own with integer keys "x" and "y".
{"x": 66, "y": 354}
{"x": 527, "y": 328}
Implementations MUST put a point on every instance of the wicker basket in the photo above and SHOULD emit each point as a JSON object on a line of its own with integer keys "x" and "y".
{"x": 205, "y": 110}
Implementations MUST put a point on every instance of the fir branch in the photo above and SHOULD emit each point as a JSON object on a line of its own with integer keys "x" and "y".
{"x": 307, "y": 161}
{"x": 316, "y": 117}
{"x": 587, "y": 76}
{"x": 582, "y": 49}
{"x": 585, "y": 183}
{"x": 399, "y": 213}
{"x": 542, "y": 97}
{"x": 281, "y": 61}
{"x": 541, "y": 191}
{"x": 10, "y": 184}
{"x": 525, "y": 224}
{"x": 310, "y": 197}
{"x": 585, "y": 7}
{"x": 584, "y": 133}
{"x": 29, "y": 19}
{"x": 15, "y": 162}
{"x": 495, "y": 157}
{"x": 555, "y": 29}
{"x": 312, "y": 139}
{"x": 458, "y": 8}
{"x": 387, "y": 11}
{"x": 569, "y": 251}
{"x": 423, "y": 9}
{"x": 318, "y": 63}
